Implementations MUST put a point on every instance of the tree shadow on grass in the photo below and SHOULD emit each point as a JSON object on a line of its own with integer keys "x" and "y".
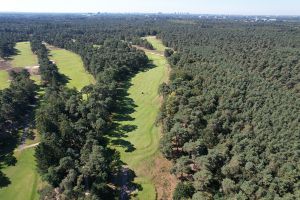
{"x": 9, "y": 141}
{"x": 4, "y": 180}
{"x": 12, "y": 53}
{"x": 63, "y": 79}
{"x": 148, "y": 67}
{"x": 8, "y": 144}
{"x": 122, "y": 111}
{"x": 125, "y": 180}
{"x": 125, "y": 144}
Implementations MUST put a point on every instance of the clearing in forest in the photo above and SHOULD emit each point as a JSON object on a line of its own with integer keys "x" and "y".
{"x": 71, "y": 65}
{"x": 24, "y": 56}
{"x": 137, "y": 137}
{"x": 23, "y": 177}
{"x": 156, "y": 43}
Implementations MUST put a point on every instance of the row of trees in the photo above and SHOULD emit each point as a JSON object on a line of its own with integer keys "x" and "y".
{"x": 48, "y": 69}
{"x": 231, "y": 110}
{"x": 73, "y": 155}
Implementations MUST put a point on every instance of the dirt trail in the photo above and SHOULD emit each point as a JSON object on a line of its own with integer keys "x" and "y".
{"x": 5, "y": 65}
{"x": 27, "y": 146}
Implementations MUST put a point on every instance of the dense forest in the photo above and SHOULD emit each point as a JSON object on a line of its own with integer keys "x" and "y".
{"x": 230, "y": 115}
{"x": 231, "y": 111}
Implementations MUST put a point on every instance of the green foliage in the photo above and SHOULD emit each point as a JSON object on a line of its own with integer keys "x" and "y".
{"x": 168, "y": 52}
{"x": 230, "y": 116}
{"x": 183, "y": 191}
{"x": 232, "y": 107}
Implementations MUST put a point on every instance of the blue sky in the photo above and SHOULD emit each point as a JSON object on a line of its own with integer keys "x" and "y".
{"x": 252, "y": 7}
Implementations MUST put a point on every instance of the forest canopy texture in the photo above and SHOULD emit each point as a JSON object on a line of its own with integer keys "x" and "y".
{"x": 230, "y": 115}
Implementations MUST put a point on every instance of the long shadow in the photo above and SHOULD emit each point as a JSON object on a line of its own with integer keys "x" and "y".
{"x": 122, "y": 111}
{"x": 125, "y": 106}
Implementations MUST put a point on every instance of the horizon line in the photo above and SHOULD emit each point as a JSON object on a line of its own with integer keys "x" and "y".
{"x": 152, "y": 13}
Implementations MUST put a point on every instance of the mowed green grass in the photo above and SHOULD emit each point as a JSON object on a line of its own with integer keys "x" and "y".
{"x": 145, "y": 138}
{"x": 156, "y": 43}
{"x": 71, "y": 65}
{"x": 23, "y": 176}
{"x": 4, "y": 79}
{"x": 24, "y": 56}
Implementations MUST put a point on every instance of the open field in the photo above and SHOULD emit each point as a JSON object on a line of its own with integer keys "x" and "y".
{"x": 24, "y": 56}
{"x": 139, "y": 142}
{"x": 71, "y": 65}
{"x": 4, "y": 79}
{"x": 23, "y": 176}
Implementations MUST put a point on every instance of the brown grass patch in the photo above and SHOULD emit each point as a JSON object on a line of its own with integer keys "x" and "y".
{"x": 164, "y": 182}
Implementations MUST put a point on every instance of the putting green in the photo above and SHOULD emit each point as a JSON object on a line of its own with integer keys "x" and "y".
{"x": 4, "y": 79}
{"x": 144, "y": 136}
{"x": 71, "y": 65}
{"x": 24, "y": 56}
{"x": 23, "y": 177}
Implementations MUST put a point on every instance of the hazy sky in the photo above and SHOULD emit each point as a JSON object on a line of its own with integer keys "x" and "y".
{"x": 268, "y": 7}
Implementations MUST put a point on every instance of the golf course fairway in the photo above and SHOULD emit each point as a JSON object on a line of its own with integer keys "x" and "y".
{"x": 139, "y": 145}
{"x": 71, "y": 65}
{"x": 4, "y": 79}
{"x": 24, "y": 178}
{"x": 24, "y": 57}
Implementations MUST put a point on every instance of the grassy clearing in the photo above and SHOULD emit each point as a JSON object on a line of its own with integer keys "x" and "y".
{"x": 23, "y": 176}
{"x": 24, "y": 56}
{"x": 156, "y": 43}
{"x": 139, "y": 143}
{"x": 4, "y": 79}
{"x": 71, "y": 65}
